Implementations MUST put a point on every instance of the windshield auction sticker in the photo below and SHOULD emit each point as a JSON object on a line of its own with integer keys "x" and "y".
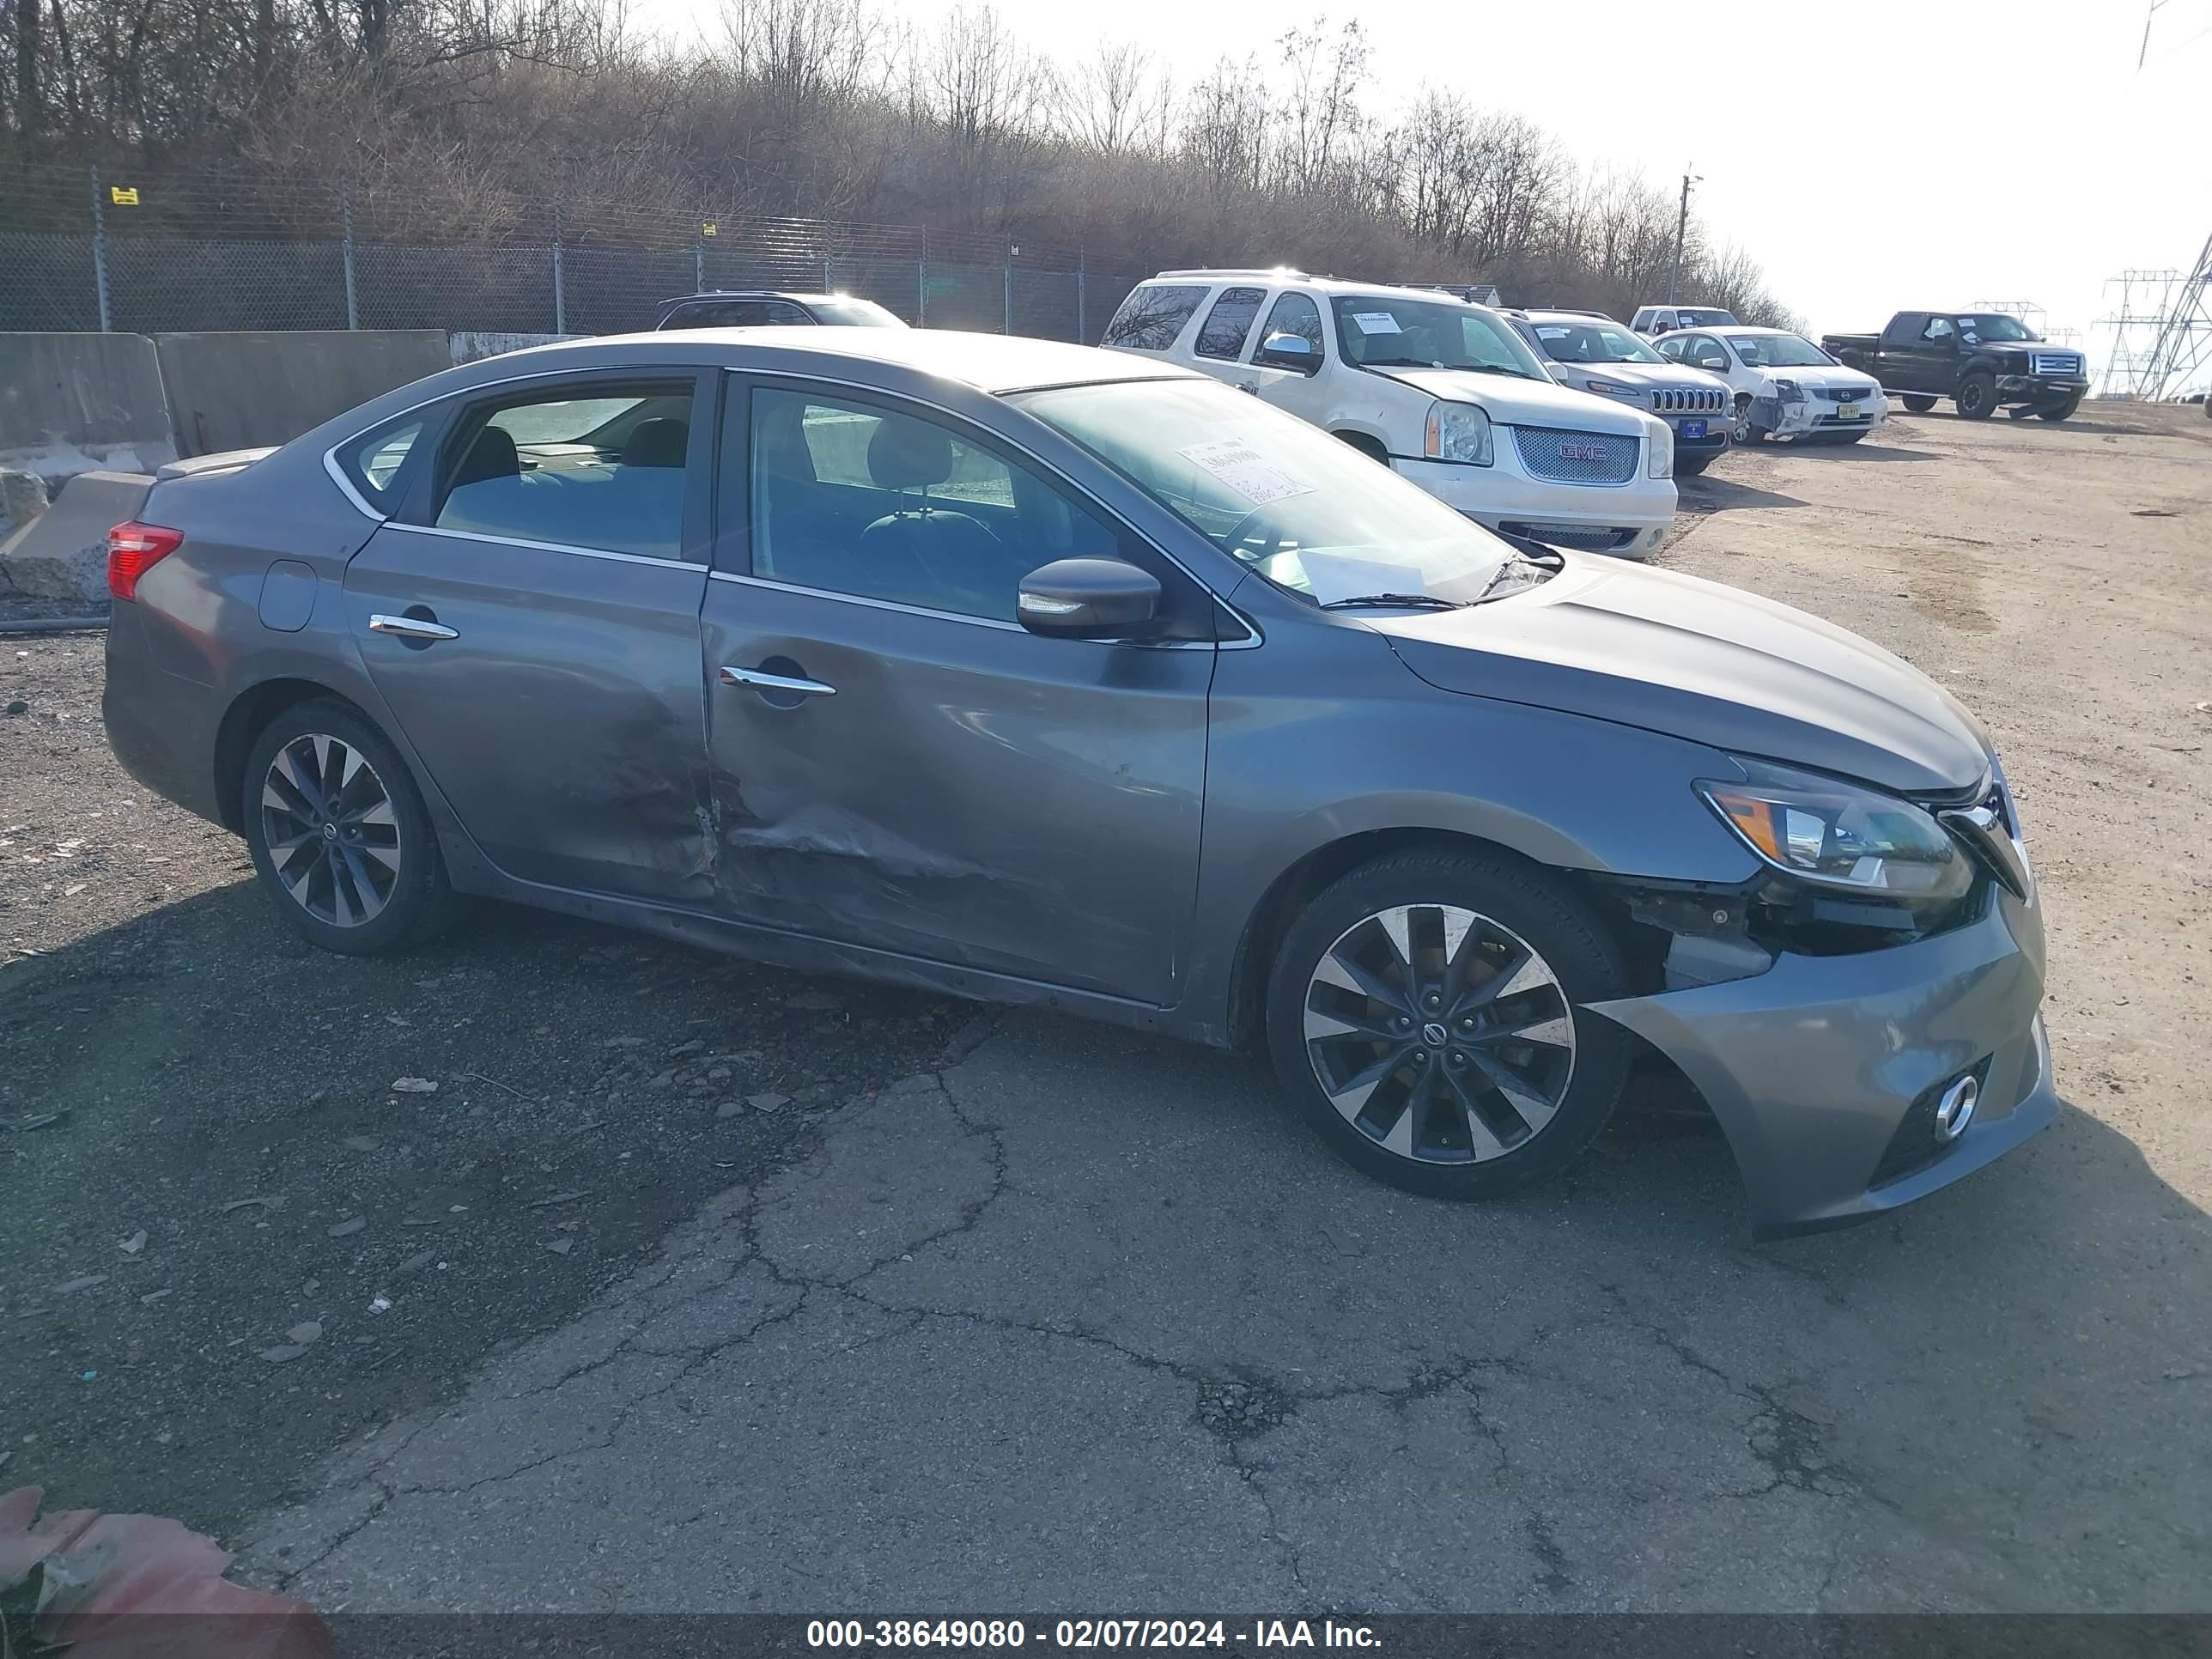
{"x": 1245, "y": 471}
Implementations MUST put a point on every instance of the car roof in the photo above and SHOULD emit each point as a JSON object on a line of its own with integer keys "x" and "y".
{"x": 1752, "y": 328}
{"x": 1558, "y": 316}
{"x": 1331, "y": 285}
{"x": 791, "y": 294}
{"x": 989, "y": 362}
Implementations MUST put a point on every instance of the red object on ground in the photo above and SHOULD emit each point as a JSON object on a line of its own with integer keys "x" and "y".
{"x": 158, "y": 1589}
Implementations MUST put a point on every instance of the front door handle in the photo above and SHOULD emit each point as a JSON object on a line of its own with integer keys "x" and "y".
{"x": 761, "y": 680}
{"x": 412, "y": 628}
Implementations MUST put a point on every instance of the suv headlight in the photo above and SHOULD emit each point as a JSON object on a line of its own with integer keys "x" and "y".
{"x": 1613, "y": 389}
{"x": 1459, "y": 432}
{"x": 1840, "y": 835}
{"x": 1661, "y": 437}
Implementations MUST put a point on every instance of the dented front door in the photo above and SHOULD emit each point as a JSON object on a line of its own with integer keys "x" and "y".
{"x": 957, "y": 790}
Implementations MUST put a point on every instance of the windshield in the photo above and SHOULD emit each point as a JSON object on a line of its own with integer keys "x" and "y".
{"x": 1591, "y": 343}
{"x": 844, "y": 310}
{"x": 1779, "y": 351}
{"x": 1312, "y": 514}
{"x": 1704, "y": 317}
{"x": 1995, "y": 326}
{"x": 1391, "y": 332}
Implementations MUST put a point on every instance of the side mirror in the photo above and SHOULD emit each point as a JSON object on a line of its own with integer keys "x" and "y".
{"x": 1088, "y": 599}
{"x": 1292, "y": 351}
{"x": 1712, "y": 365}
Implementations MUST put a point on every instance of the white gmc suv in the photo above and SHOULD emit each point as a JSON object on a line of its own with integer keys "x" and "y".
{"x": 1444, "y": 392}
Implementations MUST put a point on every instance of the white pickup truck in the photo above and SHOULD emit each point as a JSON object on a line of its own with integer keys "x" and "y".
{"x": 1444, "y": 392}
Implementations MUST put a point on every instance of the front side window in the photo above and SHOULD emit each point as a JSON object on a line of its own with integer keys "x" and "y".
{"x": 598, "y": 467}
{"x": 1152, "y": 317}
{"x": 1222, "y": 335}
{"x": 856, "y": 498}
{"x": 1703, "y": 351}
{"x": 1388, "y": 331}
{"x": 373, "y": 461}
{"x": 1296, "y": 314}
{"x": 1938, "y": 329}
{"x": 1995, "y": 325}
{"x": 1308, "y": 511}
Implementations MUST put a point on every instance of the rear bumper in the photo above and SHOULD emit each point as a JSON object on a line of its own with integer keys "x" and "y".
{"x": 1822, "y": 1070}
{"x": 1630, "y": 518}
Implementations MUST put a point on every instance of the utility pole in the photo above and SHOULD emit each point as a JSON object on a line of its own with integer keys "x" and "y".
{"x": 1681, "y": 230}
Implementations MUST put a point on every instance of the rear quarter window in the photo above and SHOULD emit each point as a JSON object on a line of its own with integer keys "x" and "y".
{"x": 374, "y": 462}
{"x": 1152, "y": 317}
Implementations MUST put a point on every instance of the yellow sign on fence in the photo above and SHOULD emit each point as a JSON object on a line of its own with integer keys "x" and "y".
{"x": 124, "y": 195}
{"x": 706, "y": 229}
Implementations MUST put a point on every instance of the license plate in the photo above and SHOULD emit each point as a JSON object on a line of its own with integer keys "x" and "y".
{"x": 1693, "y": 428}
{"x": 1847, "y": 411}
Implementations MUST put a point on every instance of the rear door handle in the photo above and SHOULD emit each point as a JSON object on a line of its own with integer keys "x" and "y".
{"x": 412, "y": 628}
{"x": 761, "y": 680}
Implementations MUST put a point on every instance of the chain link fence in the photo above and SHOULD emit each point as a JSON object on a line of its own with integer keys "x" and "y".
{"x": 83, "y": 251}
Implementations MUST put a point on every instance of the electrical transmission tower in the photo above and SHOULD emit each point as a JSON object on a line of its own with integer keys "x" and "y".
{"x": 2162, "y": 331}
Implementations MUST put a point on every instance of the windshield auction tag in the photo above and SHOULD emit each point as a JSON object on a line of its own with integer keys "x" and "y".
{"x": 1377, "y": 322}
{"x": 1245, "y": 471}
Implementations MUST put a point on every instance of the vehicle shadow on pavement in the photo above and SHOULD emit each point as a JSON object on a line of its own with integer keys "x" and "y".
{"x": 1707, "y": 494}
{"x": 254, "y": 1137}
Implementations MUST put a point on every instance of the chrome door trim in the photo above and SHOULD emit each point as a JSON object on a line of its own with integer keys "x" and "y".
{"x": 411, "y": 628}
{"x": 762, "y": 679}
{"x": 552, "y": 547}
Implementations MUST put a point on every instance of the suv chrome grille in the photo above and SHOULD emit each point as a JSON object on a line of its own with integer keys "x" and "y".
{"x": 2065, "y": 363}
{"x": 1558, "y": 456}
{"x": 1688, "y": 400}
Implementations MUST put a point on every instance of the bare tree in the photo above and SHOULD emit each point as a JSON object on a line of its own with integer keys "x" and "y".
{"x": 1115, "y": 100}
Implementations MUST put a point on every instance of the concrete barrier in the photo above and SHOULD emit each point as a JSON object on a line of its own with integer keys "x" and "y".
{"x": 474, "y": 345}
{"x": 62, "y": 553}
{"x": 74, "y": 402}
{"x": 237, "y": 391}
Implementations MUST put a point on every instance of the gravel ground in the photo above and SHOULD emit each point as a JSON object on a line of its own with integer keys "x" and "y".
{"x": 1070, "y": 1249}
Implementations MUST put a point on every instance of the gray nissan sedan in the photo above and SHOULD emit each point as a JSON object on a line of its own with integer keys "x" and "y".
{"x": 1043, "y": 675}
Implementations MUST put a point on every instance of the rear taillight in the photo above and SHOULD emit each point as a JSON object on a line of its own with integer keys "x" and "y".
{"x": 134, "y": 549}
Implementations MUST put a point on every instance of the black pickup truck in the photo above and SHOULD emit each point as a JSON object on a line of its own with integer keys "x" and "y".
{"x": 1982, "y": 360}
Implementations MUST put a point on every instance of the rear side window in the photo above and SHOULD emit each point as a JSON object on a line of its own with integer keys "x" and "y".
{"x": 735, "y": 314}
{"x": 1223, "y": 333}
{"x": 598, "y": 466}
{"x": 1152, "y": 317}
{"x": 374, "y": 461}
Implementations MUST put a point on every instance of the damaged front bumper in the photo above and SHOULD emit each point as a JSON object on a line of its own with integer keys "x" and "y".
{"x": 1818, "y": 412}
{"x": 1824, "y": 1072}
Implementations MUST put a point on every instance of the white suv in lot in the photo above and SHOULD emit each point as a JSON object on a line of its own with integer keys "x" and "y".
{"x": 1444, "y": 392}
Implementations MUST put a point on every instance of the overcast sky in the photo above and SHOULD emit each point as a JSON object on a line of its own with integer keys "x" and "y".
{"x": 1872, "y": 154}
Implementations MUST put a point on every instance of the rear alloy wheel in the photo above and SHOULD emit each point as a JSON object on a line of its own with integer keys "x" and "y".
{"x": 1977, "y": 397}
{"x": 1918, "y": 402}
{"x": 339, "y": 834}
{"x": 1425, "y": 1012}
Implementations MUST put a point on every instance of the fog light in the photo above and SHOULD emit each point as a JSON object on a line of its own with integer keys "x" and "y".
{"x": 1956, "y": 1109}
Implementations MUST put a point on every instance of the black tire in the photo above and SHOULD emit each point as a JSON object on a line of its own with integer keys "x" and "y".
{"x": 1918, "y": 402}
{"x": 2063, "y": 412}
{"x": 417, "y": 903}
{"x": 1688, "y": 466}
{"x": 1507, "y": 899}
{"x": 1977, "y": 397}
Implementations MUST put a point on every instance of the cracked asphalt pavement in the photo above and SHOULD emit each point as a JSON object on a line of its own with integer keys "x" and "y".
{"x": 1063, "y": 1318}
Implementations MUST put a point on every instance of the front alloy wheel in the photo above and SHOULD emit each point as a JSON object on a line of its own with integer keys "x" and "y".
{"x": 1438, "y": 1033}
{"x": 1428, "y": 1014}
{"x": 334, "y": 839}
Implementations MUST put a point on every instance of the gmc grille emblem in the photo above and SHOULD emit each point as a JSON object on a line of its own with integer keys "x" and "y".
{"x": 1581, "y": 451}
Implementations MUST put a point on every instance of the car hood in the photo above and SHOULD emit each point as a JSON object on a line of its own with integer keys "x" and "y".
{"x": 1643, "y": 376}
{"x": 1696, "y": 660}
{"x": 1831, "y": 376}
{"x": 1512, "y": 401}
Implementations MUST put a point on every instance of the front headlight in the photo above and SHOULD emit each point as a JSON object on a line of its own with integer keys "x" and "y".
{"x": 1840, "y": 835}
{"x": 1613, "y": 389}
{"x": 1789, "y": 392}
{"x": 1459, "y": 432}
{"x": 1662, "y": 463}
